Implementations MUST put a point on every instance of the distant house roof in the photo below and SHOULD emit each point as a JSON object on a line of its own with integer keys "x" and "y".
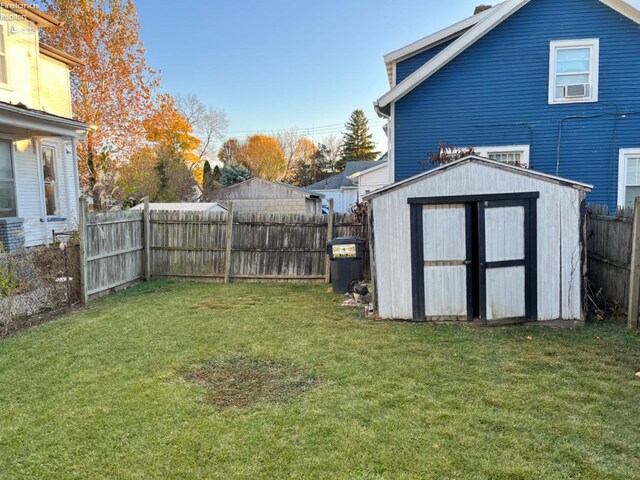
{"x": 259, "y": 189}
{"x": 341, "y": 180}
{"x": 489, "y": 19}
{"x": 184, "y": 206}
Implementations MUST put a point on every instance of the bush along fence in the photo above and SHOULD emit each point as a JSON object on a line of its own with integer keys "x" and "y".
{"x": 120, "y": 248}
{"x": 613, "y": 256}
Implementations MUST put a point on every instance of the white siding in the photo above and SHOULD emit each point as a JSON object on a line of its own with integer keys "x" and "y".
{"x": 55, "y": 91}
{"x": 29, "y": 190}
{"x": 343, "y": 199}
{"x": 22, "y": 52}
{"x": 558, "y": 240}
{"x": 372, "y": 180}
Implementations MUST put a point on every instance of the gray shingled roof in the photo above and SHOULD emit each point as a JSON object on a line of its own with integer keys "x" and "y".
{"x": 340, "y": 180}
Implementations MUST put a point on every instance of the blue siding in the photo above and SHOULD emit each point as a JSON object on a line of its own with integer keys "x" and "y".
{"x": 406, "y": 67}
{"x": 495, "y": 93}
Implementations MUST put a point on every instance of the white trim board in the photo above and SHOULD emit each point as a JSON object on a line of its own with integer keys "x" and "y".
{"x": 496, "y": 16}
{"x": 622, "y": 172}
{"x": 354, "y": 176}
{"x": 487, "y": 161}
{"x": 593, "y": 44}
{"x": 435, "y": 38}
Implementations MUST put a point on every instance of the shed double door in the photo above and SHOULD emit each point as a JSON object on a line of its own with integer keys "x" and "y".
{"x": 474, "y": 260}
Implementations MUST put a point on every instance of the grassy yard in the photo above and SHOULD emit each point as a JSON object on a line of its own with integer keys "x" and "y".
{"x": 119, "y": 391}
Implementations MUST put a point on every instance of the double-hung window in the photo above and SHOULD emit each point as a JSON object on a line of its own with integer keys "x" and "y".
{"x": 49, "y": 177}
{"x": 573, "y": 71}
{"x": 4, "y": 73}
{"x": 7, "y": 181}
{"x": 628, "y": 176}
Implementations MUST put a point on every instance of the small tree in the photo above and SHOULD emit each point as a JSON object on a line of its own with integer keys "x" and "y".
{"x": 234, "y": 173}
{"x": 357, "y": 141}
{"x": 317, "y": 167}
{"x": 229, "y": 153}
{"x": 211, "y": 181}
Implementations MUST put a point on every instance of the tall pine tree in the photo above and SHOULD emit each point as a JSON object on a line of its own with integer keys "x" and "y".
{"x": 357, "y": 142}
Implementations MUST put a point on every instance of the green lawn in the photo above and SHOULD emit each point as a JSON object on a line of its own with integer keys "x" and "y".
{"x": 104, "y": 394}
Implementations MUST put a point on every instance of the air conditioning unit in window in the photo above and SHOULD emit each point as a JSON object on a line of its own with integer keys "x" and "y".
{"x": 575, "y": 91}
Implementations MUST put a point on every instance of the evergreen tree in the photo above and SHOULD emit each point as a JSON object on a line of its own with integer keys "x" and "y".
{"x": 357, "y": 143}
{"x": 211, "y": 181}
{"x": 234, "y": 173}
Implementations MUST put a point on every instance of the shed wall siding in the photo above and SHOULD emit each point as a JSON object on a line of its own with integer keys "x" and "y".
{"x": 496, "y": 93}
{"x": 559, "y": 280}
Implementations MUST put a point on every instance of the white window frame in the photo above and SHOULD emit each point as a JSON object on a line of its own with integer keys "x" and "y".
{"x": 622, "y": 172}
{"x": 10, "y": 140}
{"x": 5, "y": 34}
{"x": 594, "y": 73}
{"x": 56, "y": 187}
{"x": 522, "y": 149}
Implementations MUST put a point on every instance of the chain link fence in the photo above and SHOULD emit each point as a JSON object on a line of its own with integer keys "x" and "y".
{"x": 38, "y": 284}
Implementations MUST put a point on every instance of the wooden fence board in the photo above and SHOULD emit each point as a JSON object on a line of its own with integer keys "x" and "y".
{"x": 114, "y": 250}
{"x": 193, "y": 246}
{"x": 609, "y": 253}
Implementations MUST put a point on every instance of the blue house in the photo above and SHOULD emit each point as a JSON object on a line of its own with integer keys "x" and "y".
{"x": 554, "y": 84}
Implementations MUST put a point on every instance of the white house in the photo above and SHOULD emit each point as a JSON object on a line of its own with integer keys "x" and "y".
{"x": 39, "y": 183}
{"x": 342, "y": 188}
{"x": 372, "y": 178}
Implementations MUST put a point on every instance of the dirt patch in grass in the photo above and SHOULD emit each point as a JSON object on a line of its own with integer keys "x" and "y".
{"x": 242, "y": 381}
{"x": 241, "y": 303}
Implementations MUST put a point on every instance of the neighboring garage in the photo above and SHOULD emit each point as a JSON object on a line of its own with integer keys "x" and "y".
{"x": 257, "y": 195}
{"x": 479, "y": 240}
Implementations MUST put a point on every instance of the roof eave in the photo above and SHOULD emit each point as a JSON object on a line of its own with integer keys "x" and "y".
{"x": 37, "y": 16}
{"x": 436, "y": 38}
{"x": 496, "y": 16}
{"x": 487, "y": 161}
{"x": 61, "y": 56}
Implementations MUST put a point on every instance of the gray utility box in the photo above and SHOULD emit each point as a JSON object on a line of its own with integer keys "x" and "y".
{"x": 346, "y": 259}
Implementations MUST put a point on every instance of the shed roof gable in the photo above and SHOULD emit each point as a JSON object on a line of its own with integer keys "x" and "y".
{"x": 486, "y": 162}
{"x": 495, "y": 17}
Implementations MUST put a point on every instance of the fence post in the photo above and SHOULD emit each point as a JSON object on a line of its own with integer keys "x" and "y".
{"x": 146, "y": 231}
{"x": 229, "y": 241}
{"x": 327, "y": 270}
{"x": 82, "y": 235}
{"x": 634, "y": 276}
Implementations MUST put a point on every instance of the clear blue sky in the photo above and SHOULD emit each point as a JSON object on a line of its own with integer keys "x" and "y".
{"x": 273, "y": 65}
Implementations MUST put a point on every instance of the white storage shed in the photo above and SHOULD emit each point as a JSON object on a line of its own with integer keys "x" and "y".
{"x": 479, "y": 240}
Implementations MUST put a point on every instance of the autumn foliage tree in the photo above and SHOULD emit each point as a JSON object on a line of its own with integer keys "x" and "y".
{"x": 264, "y": 157}
{"x": 175, "y": 146}
{"x": 115, "y": 90}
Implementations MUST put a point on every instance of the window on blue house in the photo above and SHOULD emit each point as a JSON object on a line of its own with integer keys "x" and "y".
{"x": 573, "y": 71}
{"x": 628, "y": 177}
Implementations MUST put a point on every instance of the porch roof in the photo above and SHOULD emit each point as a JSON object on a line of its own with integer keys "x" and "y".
{"x": 40, "y": 122}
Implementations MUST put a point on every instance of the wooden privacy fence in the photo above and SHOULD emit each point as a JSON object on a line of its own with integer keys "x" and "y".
{"x": 123, "y": 247}
{"x": 613, "y": 256}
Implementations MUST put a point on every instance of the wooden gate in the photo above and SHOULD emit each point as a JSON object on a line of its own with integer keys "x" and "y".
{"x": 474, "y": 258}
